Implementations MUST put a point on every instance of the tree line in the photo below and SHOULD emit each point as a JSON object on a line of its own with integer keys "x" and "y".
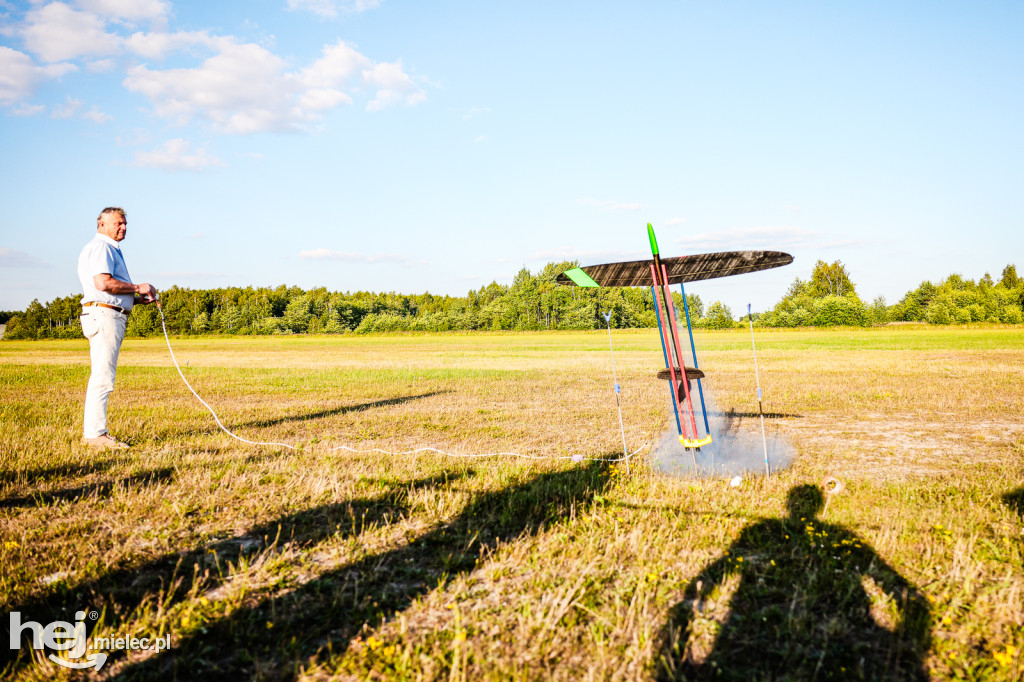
{"x": 533, "y": 301}
{"x": 829, "y": 298}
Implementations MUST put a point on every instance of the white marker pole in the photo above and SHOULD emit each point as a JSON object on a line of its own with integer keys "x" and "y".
{"x": 615, "y": 378}
{"x": 757, "y": 376}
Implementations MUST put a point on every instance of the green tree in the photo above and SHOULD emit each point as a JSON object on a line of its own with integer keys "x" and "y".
{"x": 233, "y": 319}
{"x": 298, "y": 313}
{"x": 939, "y": 313}
{"x": 332, "y": 323}
{"x": 28, "y": 325}
{"x": 914, "y": 304}
{"x": 840, "y": 311}
{"x": 143, "y": 321}
{"x": 878, "y": 313}
{"x": 695, "y": 304}
{"x": 1009, "y": 278}
{"x": 831, "y": 279}
{"x": 719, "y": 316}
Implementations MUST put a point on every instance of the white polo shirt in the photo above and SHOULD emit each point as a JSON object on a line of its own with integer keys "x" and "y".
{"x": 103, "y": 256}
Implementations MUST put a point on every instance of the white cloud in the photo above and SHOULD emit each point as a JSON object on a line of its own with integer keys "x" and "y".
{"x": 239, "y": 90}
{"x": 348, "y": 257}
{"x": 395, "y": 86}
{"x": 68, "y": 109}
{"x": 236, "y": 87}
{"x": 245, "y": 88}
{"x": 322, "y": 99}
{"x": 138, "y": 137}
{"x": 733, "y": 239}
{"x": 847, "y": 244}
{"x": 19, "y": 75}
{"x": 72, "y": 106}
{"x": 158, "y": 45}
{"x": 100, "y": 66}
{"x": 56, "y": 32}
{"x": 186, "y": 274}
{"x": 475, "y": 111}
{"x": 674, "y": 221}
{"x": 341, "y": 64}
{"x": 769, "y": 237}
{"x": 609, "y": 205}
{"x": 23, "y": 109}
{"x": 176, "y": 155}
{"x": 96, "y": 116}
{"x": 154, "y": 11}
{"x": 11, "y": 258}
{"x": 337, "y": 64}
{"x": 330, "y": 9}
{"x": 586, "y": 256}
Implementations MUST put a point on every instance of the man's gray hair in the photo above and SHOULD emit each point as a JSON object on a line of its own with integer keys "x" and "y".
{"x": 111, "y": 209}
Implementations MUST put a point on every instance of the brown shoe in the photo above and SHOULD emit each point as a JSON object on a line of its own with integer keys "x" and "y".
{"x": 105, "y": 441}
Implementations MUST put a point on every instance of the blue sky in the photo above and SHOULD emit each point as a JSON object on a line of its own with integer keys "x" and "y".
{"x": 438, "y": 146}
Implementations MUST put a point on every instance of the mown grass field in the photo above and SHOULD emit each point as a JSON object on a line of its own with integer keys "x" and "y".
{"x": 316, "y": 563}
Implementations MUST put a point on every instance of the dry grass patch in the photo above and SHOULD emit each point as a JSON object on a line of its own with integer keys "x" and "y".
{"x": 270, "y": 563}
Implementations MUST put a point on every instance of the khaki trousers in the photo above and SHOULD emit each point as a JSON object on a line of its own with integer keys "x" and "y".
{"x": 105, "y": 330}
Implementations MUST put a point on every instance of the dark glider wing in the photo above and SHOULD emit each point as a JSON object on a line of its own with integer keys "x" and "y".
{"x": 637, "y": 273}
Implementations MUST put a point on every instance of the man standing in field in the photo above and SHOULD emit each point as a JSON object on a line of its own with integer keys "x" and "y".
{"x": 108, "y": 298}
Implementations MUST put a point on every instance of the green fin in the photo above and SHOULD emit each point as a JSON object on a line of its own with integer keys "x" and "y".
{"x": 581, "y": 278}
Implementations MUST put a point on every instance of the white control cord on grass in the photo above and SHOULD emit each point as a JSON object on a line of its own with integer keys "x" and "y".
{"x": 575, "y": 458}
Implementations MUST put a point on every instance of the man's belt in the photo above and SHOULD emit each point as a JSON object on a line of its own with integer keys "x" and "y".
{"x": 106, "y": 305}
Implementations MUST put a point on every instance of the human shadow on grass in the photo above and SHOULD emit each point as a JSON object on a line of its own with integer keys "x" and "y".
{"x": 801, "y": 610}
{"x": 99, "y": 490}
{"x": 1015, "y": 500}
{"x": 343, "y": 409}
{"x": 278, "y": 635}
{"x": 170, "y": 578}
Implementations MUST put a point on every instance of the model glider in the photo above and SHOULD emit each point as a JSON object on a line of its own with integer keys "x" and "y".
{"x": 658, "y": 274}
